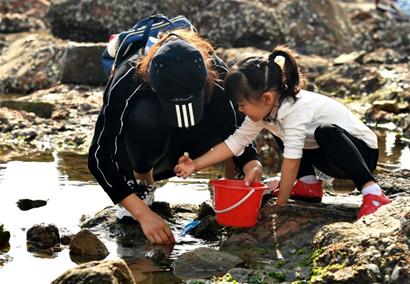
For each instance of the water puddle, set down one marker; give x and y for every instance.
(71, 192)
(63, 180)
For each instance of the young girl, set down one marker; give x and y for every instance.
(312, 130)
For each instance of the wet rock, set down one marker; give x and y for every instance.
(243, 245)
(83, 65)
(27, 204)
(208, 229)
(162, 209)
(204, 262)
(87, 245)
(42, 236)
(368, 250)
(126, 232)
(156, 255)
(66, 239)
(205, 210)
(295, 225)
(4, 237)
(109, 271)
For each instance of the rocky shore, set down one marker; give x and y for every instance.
(51, 92)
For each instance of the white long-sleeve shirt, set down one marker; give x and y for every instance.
(296, 123)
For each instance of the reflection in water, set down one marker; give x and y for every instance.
(394, 154)
(63, 180)
(71, 193)
(73, 167)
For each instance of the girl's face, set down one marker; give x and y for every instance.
(258, 109)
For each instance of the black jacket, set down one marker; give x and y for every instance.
(220, 119)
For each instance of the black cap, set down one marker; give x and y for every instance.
(178, 74)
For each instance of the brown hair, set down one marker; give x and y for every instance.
(255, 75)
(205, 47)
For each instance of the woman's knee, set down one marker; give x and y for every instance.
(146, 115)
(146, 134)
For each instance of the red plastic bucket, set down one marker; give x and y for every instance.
(236, 204)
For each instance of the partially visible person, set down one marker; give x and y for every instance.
(400, 8)
(313, 130)
(156, 107)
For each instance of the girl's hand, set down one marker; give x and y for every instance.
(253, 172)
(156, 229)
(185, 167)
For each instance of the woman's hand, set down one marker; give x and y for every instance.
(185, 167)
(155, 228)
(253, 172)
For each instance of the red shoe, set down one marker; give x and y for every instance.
(367, 205)
(305, 191)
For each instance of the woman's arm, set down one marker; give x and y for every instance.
(102, 159)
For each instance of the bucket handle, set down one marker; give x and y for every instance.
(236, 204)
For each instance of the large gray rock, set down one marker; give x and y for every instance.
(82, 64)
(312, 26)
(95, 20)
(86, 244)
(109, 271)
(373, 249)
(204, 262)
(43, 236)
(31, 63)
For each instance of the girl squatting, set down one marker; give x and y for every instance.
(311, 129)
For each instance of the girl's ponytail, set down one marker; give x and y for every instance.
(293, 80)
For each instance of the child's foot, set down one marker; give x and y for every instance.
(306, 191)
(370, 204)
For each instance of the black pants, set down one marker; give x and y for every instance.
(340, 155)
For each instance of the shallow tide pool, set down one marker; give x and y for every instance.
(63, 180)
